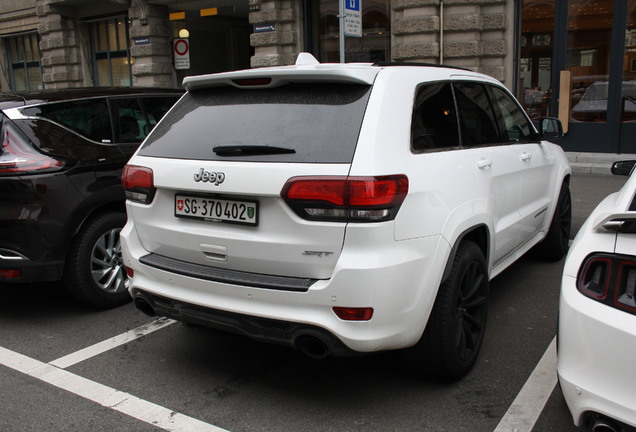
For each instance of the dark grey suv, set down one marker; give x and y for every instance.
(61, 201)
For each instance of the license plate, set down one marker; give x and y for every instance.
(216, 210)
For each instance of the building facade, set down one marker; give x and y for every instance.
(575, 59)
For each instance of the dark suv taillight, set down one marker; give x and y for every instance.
(138, 183)
(609, 279)
(19, 157)
(346, 199)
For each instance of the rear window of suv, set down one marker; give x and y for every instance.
(310, 123)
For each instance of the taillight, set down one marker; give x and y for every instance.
(346, 199)
(138, 183)
(18, 156)
(609, 279)
(10, 273)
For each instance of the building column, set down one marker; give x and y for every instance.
(474, 33)
(59, 48)
(150, 46)
(276, 44)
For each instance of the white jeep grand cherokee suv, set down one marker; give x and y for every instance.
(342, 208)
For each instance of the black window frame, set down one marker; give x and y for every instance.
(23, 61)
(110, 53)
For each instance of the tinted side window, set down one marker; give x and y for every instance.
(156, 107)
(130, 120)
(434, 122)
(479, 126)
(88, 118)
(516, 127)
(135, 117)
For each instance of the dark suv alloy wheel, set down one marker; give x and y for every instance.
(95, 274)
(455, 330)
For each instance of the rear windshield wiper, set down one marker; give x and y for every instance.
(248, 150)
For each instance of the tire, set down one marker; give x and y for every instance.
(94, 273)
(556, 242)
(455, 331)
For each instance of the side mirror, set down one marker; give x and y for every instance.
(551, 128)
(623, 168)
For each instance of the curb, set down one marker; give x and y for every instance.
(595, 163)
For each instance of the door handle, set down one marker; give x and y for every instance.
(484, 163)
(526, 156)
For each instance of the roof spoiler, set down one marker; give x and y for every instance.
(307, 69)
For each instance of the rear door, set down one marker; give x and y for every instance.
(221, 159)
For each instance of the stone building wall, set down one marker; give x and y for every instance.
(281, 46)
(153, 60)
(473, 34)
(60, 48)
(477, 34)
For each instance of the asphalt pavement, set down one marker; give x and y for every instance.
(67, 368)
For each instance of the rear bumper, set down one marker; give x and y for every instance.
(261, 329)
(399, 281)
(597, 348)
(14, 269)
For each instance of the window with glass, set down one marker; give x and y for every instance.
(110, 52)
(136, 117)
(324, 26)
(515, 126)
(88, 118)
(628, 94)
(535, 64)
(434, 122)
(479, 125)
(588, 58)
(23, 58)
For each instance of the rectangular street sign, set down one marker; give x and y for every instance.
(353, 18)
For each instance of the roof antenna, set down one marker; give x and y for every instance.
(306, 59)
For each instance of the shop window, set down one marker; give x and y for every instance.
(110, 52)
(322, 33)
(23, 55)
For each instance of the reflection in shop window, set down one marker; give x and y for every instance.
(373, 46)
(628, 95)
(23, 54)
(537, 26)
(588, 58)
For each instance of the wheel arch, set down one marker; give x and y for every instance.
(478, 234)
(88, 213)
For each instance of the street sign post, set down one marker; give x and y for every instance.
(350, 17)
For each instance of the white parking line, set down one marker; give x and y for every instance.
(529, 403)
(122, 402)
(108, 344)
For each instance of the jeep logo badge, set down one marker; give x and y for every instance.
(212, 177)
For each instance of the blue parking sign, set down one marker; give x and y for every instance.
(353, 5)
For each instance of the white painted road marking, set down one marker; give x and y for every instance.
(122, 402)
(108, 344)
(520, 417)
(529, 403)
